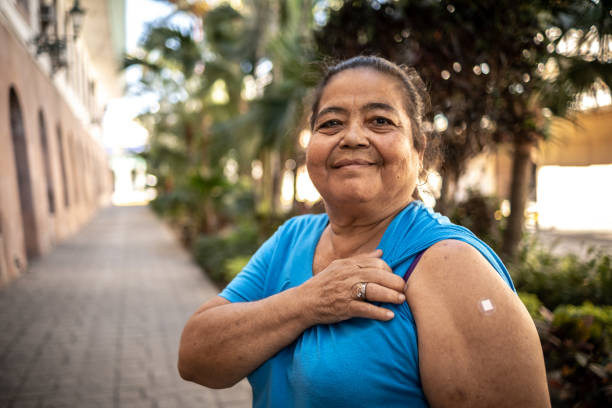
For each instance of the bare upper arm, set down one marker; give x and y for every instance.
(189, 347)
(470, 355)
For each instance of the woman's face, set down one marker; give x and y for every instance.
(361, 150)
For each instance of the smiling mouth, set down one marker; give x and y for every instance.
(352, 163)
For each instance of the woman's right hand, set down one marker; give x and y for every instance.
(332, 293)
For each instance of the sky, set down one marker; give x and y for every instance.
(138, 13)
(120, 129)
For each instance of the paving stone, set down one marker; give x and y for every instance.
(97, 322)
(26, 403)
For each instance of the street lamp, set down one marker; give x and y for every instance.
(76, 16)
(49, 41)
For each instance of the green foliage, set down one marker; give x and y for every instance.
(585, 323)
(565, 279)
(234, 265)
(221, 255)
(533, 305)
(226, 31)
(478, 213)
(577, 345)
(204, 119)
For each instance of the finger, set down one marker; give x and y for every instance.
(378, 293)
(383, 278)
(370, 311)
(370, 263)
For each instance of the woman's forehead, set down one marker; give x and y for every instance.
(358, 87)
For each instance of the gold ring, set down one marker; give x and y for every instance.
(361, 291)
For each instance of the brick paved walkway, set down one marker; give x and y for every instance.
(96, 323)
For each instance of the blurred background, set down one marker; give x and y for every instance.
(198, 110)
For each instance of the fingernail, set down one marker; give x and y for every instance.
(390, 314)
(401, 297)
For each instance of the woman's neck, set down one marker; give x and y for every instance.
(352, 234)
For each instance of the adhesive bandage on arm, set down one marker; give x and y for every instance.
(486, 306)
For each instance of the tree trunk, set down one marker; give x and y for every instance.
(275, 164)
(447, 191)
(270, 182)
(519, 186)
(265, 204)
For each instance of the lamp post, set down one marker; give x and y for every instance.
(49, 41)
(76, 16)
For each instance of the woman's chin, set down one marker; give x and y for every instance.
(352, 197)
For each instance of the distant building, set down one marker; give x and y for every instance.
(571, 187)
(55, 81)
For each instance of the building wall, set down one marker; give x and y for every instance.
(572, 170)
(587, 140)
(87, 175)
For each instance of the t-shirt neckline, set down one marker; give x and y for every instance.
(318, 233)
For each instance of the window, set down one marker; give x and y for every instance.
(47, 163)
(62, 159)
(24, 6)
(24, 180)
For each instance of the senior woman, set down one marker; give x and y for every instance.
(378, 302)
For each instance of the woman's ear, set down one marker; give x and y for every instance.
(422, 152)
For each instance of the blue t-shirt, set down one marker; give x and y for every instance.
(357, 362)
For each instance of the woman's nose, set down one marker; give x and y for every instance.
(354, 137)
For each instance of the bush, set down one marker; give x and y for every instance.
(234, 265)
(478, 214)
(220, 254)
(577, 346)
(533, 305)
(565, 279)
(576, 343)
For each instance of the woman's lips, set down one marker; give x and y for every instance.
(351, 162)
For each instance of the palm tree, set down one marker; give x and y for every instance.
(273, 118)
(194, 134)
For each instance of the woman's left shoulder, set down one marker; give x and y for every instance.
(474, 330)
(454, 249)
(459, 264)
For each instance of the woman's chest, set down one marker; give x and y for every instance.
(331, 365)
(359, 362)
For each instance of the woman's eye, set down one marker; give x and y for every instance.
(380, 121)
(329, 124)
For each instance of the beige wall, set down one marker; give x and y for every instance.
(584, 141)
(87, 172)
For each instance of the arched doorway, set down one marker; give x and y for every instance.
(47, 162)
(72, 157)
(24, 181)
(3, 256)
(62, 160)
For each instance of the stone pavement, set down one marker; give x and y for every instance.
(97, 322)
(576, 242)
